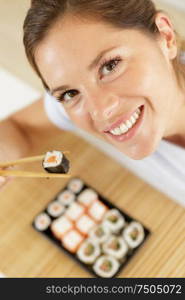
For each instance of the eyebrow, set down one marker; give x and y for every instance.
(92, 65)
(99, 57)
(59, 88)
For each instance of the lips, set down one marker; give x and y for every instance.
(130, 133)
(122, 120)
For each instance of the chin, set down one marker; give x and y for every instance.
(140, 151)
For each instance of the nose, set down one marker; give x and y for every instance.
(102, 105)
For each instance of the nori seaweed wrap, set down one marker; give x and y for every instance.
(56, 162)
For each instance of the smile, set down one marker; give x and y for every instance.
(126, 129)
(127, 125)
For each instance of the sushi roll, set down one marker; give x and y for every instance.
(116, 247)
(55, 162)
(106, 266)
(42, 222)
(75, 211)
(75, 185)
(60, 226)
(88, 251)
(72, 240)
(87, 197)
(114, 220)
(100, 233)
(55, 209)
(84, 224)
(66, 197)
(97, 210)
(134, 234)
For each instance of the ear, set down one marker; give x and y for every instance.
(167, 39)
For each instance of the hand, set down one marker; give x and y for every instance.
(3, 180)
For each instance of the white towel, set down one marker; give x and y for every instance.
(15, 94)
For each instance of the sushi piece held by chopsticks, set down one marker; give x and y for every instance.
(24, 160)
(22, 173)
(55, 162)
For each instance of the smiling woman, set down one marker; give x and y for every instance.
(114, 66)
(114, 69)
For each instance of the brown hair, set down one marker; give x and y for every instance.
(137, 14)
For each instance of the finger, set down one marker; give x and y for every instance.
(2, 180)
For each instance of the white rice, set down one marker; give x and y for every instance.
(89, 259)
(75, 185)
(97, 210)
(84, 224)
(75, 211)
(127, 234)
(55, 209)
(87, 197)
(42, 222)
(57, 154)
(114, 227)
(100, 239)
(66, 197)
(72, 239)
(118, 254)
(60, 226)
(102, 273)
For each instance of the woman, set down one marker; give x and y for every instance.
(113, 65)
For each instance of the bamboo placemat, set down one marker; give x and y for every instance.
(26, 253)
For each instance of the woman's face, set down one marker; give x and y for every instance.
(115, 83)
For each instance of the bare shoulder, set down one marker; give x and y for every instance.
(33, 119)
(31, 113)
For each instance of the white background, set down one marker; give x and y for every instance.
(180, 4)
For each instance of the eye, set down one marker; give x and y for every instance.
(67, 96)
(108, 67)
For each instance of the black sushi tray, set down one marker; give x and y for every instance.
(48, 234)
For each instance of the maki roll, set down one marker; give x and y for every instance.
(114, 220)
(75, 185)
(84, 224)
(75, 211)
(55, 162)
(97, 210)
(66, 198)
(55, 209)
(116, 247)
(106, 266)
(134, 234)
(88, 252)
(100, 233)
(87, 197)
(60, 226)
(72, 240)
(42, 222)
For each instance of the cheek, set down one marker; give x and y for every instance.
(80, 116)
(140, 79)
(151, 81)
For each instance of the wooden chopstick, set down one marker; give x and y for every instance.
(20, 173)
(24, 160)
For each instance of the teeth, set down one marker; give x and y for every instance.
(117, 131)
(132, 120)
(136, 115)
(124, 127)
(129, 124)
